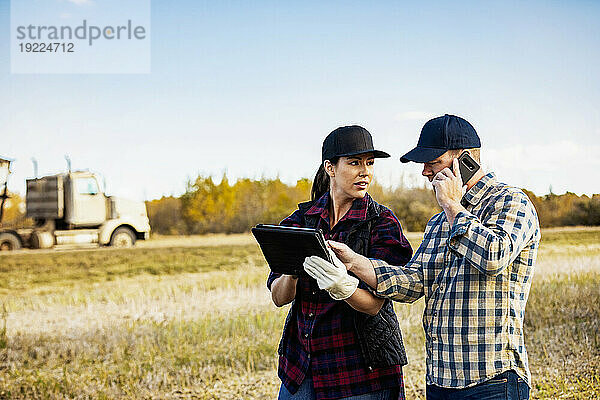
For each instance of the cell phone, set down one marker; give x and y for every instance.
(467, 166)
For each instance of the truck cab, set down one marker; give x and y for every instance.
(70, 209)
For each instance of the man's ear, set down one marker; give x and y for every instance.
(458, 153)
(329, 169)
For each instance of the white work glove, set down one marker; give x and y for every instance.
(332, 277)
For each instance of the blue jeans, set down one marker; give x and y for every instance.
(307, 392)
(506, 386)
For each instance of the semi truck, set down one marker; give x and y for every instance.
(70, 210)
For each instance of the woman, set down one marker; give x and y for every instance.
(350, 349)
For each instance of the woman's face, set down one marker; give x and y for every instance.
(351, 176)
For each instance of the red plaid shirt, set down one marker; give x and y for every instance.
(323, 341)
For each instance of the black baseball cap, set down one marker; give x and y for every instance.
(441, 134)
(349, 141)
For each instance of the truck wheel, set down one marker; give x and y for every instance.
(9, 241)
(122, 237)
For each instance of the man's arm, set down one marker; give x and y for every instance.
(334, 278)
(356, 263)
(493, 244)
(400, 283)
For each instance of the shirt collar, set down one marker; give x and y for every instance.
(476, 193)
(358, 210)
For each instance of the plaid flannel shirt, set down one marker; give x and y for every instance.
(475, 276)
(322, 340)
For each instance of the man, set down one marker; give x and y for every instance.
(474, 268)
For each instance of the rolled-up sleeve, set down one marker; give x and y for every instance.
(399, 277)
(492, 244)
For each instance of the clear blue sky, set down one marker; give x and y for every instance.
(253, 87)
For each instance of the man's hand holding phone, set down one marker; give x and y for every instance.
(449, 190)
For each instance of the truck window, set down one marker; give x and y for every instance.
(86, 186)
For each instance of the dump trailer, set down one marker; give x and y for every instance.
(70, 210)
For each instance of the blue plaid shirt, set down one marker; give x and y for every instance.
(475, 276)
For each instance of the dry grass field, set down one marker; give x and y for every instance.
(190, 318)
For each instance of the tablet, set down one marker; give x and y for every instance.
(285, 247)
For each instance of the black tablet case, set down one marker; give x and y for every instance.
(285, 248)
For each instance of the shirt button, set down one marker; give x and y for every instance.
(433, 339)
(314, 293)
(308, 355)
(306, 335)
(441, 288)
(311, 315)
(370, 368)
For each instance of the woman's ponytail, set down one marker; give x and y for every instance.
(320, 184)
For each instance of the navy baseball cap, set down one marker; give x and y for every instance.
(349, 141)
(441, 134)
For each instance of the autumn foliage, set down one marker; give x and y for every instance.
(14, 212)
(224, 207)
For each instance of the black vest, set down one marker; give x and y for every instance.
(379, 335)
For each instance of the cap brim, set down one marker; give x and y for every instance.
(422, 154)
(376, 153)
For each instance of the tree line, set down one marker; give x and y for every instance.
(225, 207)
(208, 207)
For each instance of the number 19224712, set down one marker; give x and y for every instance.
(47, 47)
